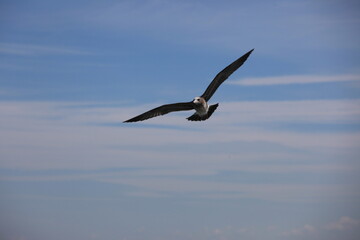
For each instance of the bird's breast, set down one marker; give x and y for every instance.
(201, 109)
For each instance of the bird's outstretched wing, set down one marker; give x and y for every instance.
(164, 109)
(223, 75)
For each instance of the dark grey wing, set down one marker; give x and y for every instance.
(164, 109)
(223, 75)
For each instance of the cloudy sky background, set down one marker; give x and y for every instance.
(279, 159)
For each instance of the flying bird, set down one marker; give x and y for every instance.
(200, 104)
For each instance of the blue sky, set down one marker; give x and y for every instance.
(279, 159)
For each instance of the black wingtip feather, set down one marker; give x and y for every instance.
(246, 55)
(131, 120)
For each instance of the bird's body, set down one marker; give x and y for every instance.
(202, 108)
(199, 104)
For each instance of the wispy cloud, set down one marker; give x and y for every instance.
(208, 23)
(305, 230)
(33, 49)
(344, 223)
(42, 136)
(343, 228)
(295, 79)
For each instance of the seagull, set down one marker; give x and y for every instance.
(200, 104)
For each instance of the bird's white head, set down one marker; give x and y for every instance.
(198, 100)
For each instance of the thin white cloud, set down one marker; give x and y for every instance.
(344, 223)
(248, 118)
(295, 79)
(306, 23)
(41, 135)
(283, 192)
(33, 49)
(305, 230)
(344, 228)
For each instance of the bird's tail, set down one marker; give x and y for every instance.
(196, 117)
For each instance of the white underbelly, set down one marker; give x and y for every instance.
(201, 111)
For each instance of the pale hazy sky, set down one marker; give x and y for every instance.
(279, 159)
